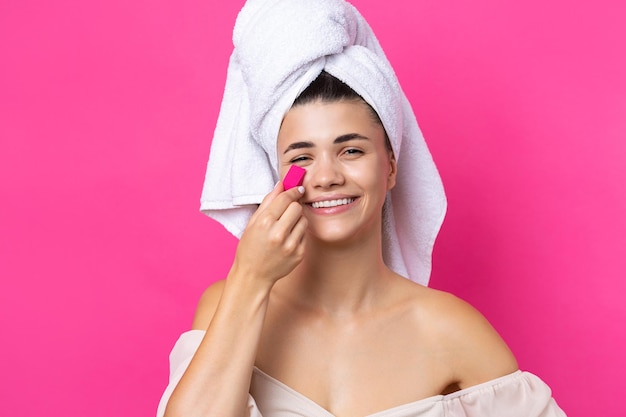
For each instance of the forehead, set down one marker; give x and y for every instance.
(323, 120)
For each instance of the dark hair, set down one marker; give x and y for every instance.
(329, 89)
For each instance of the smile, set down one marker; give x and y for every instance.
(332, 203)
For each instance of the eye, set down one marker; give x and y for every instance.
(353, 152)
(301, 158)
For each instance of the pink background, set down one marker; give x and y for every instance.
(106, 114)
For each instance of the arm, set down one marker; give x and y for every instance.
(476, 351)
(217, 380)
(482, 363)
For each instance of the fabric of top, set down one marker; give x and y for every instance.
(280, 47)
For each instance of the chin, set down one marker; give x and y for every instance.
(332, 236)
(338, 235)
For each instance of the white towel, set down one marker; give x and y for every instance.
(280, 47)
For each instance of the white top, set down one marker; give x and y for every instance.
(520, 394)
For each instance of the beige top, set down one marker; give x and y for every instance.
(520, 394)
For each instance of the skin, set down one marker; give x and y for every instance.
(310, 301)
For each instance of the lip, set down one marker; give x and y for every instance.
(331, 210)
(329, 198)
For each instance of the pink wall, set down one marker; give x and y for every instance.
(106, 109)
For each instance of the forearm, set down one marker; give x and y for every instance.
(217, 381)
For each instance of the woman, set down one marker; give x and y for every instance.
(311, 320)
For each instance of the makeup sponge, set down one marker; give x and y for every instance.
(294, 177)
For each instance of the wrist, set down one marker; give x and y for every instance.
(246, 285)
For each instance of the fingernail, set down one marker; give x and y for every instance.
(301, 189)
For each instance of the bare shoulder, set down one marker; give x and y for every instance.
(476, 351)
(207, 305)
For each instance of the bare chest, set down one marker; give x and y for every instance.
(352, 369)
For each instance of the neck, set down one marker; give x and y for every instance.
(340, 279)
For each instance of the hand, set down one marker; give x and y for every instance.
(272, 244)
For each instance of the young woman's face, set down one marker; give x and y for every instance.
(349, 169)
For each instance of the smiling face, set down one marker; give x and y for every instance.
(349, 168)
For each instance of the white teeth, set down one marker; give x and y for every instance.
(332, 203)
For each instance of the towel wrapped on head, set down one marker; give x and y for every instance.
(280, 47)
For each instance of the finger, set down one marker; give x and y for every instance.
(269, 197)
(279, 230)
(299, 229)
(293, 223)
(278, 188)
(279, 204)
(290, 216)
(296, 239)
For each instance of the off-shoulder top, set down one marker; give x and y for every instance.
(520, 394)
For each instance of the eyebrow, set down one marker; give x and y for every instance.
(339, 139)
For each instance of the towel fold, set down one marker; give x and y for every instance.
(280, 47)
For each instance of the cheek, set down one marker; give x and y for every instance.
(373, 176)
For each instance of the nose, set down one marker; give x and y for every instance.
(324, 173)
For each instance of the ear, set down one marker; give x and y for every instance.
(393, 170)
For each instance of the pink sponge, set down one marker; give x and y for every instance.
(294, 177)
